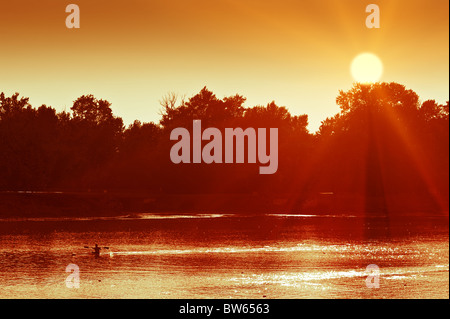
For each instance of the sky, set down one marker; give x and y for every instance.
(294, 52)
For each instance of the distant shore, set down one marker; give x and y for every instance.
(119, 203)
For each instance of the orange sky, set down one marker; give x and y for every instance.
(297, 53)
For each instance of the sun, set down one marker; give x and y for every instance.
(366, 68)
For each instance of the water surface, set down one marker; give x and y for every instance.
(225, 256)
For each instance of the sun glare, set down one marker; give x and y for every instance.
(366, 68)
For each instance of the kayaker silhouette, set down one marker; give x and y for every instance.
(96, 249)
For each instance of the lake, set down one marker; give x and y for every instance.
(216, 255)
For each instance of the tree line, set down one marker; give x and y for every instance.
(384, 142)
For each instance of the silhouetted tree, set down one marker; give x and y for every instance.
(28, 144)
(379, 142)
(203, 106)
(384, 151)
(94, 134)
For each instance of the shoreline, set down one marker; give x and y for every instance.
(119, 203)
